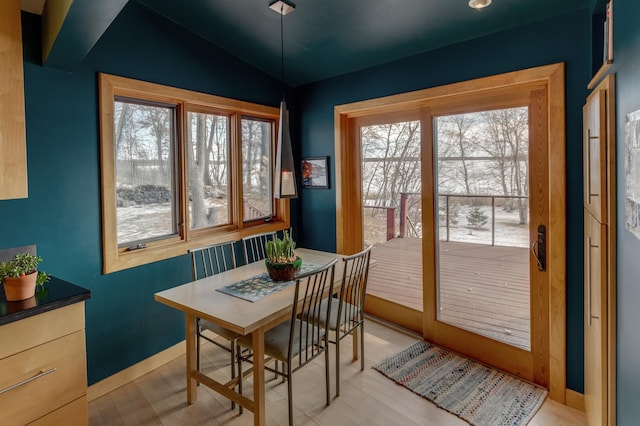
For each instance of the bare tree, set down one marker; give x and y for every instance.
(456, 141)
(507, 142)
(197, 153)
(157, 120)
(391, 161)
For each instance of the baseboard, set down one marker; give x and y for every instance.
(393, 326)
(129, 374)
(574, 399)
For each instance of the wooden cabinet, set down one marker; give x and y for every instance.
(599, 254)
(43, 369)
(595, 357)
(13, 150)
(594, 158)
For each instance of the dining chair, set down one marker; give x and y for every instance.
(207, 261)
(348, 307)
(298, 340)
(254, 246)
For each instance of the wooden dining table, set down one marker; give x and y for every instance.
(200, 299)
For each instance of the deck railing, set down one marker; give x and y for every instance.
(493, 209)
(391, 219)
(407, 225)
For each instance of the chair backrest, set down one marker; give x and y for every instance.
(307, 339)
(255, 246)
(213, 259)
(354, 289)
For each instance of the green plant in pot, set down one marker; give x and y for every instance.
(20, 276)
(282, 262)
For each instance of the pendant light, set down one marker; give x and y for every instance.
(284, 176)
(479, 4)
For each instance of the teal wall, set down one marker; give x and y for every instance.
(63, 215)
(626, 65)
(564, 39)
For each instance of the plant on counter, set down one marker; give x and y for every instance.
(282, 262)
(20, 276)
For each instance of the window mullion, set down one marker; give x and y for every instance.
(183, 184)
(235, 149)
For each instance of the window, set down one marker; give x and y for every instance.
(208, 166)
(256, 177)
(146, 207)
(182, 169)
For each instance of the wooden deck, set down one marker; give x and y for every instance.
(483, 289)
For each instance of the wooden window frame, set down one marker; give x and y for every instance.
(115, 258)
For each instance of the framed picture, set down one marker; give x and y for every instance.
(315, 172)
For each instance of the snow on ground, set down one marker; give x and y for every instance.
(139, 222)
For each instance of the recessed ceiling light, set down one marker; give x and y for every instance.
(479, 4)
(283, 6)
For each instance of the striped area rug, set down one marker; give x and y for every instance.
(470, 390)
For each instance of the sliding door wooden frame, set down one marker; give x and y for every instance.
(349, 233)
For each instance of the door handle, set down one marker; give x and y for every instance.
(539, 248)
(589, 317)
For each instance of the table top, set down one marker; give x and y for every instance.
(201, 299)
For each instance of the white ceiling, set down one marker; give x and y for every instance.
(33, 6)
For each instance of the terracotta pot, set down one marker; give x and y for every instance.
(283, 271)
(20, 288)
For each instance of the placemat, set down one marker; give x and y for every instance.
(261, 286)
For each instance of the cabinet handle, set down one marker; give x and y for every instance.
(588, 138)
(589, 280)
(30, 379)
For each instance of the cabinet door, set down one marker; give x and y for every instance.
(13, 151)
(594, 155)
(595, 311)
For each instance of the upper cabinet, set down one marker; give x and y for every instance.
(602, 42)
(13, 149)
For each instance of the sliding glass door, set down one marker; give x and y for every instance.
(392, 215)
(461, 186)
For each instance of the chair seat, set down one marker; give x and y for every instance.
(276, 340)
(333, 320)
(220, 331)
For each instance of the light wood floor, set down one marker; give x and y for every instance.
(367, 397)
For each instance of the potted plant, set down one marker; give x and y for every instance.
(282, 262)
(20, 276)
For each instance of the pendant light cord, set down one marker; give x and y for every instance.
(282, 48)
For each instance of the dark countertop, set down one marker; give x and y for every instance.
(56, 294)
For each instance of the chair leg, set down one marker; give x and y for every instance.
(239, 359)
(233, 369)
(337, 363)
(354, 339)
(362, 346)
(327, 384)
(290, 392)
